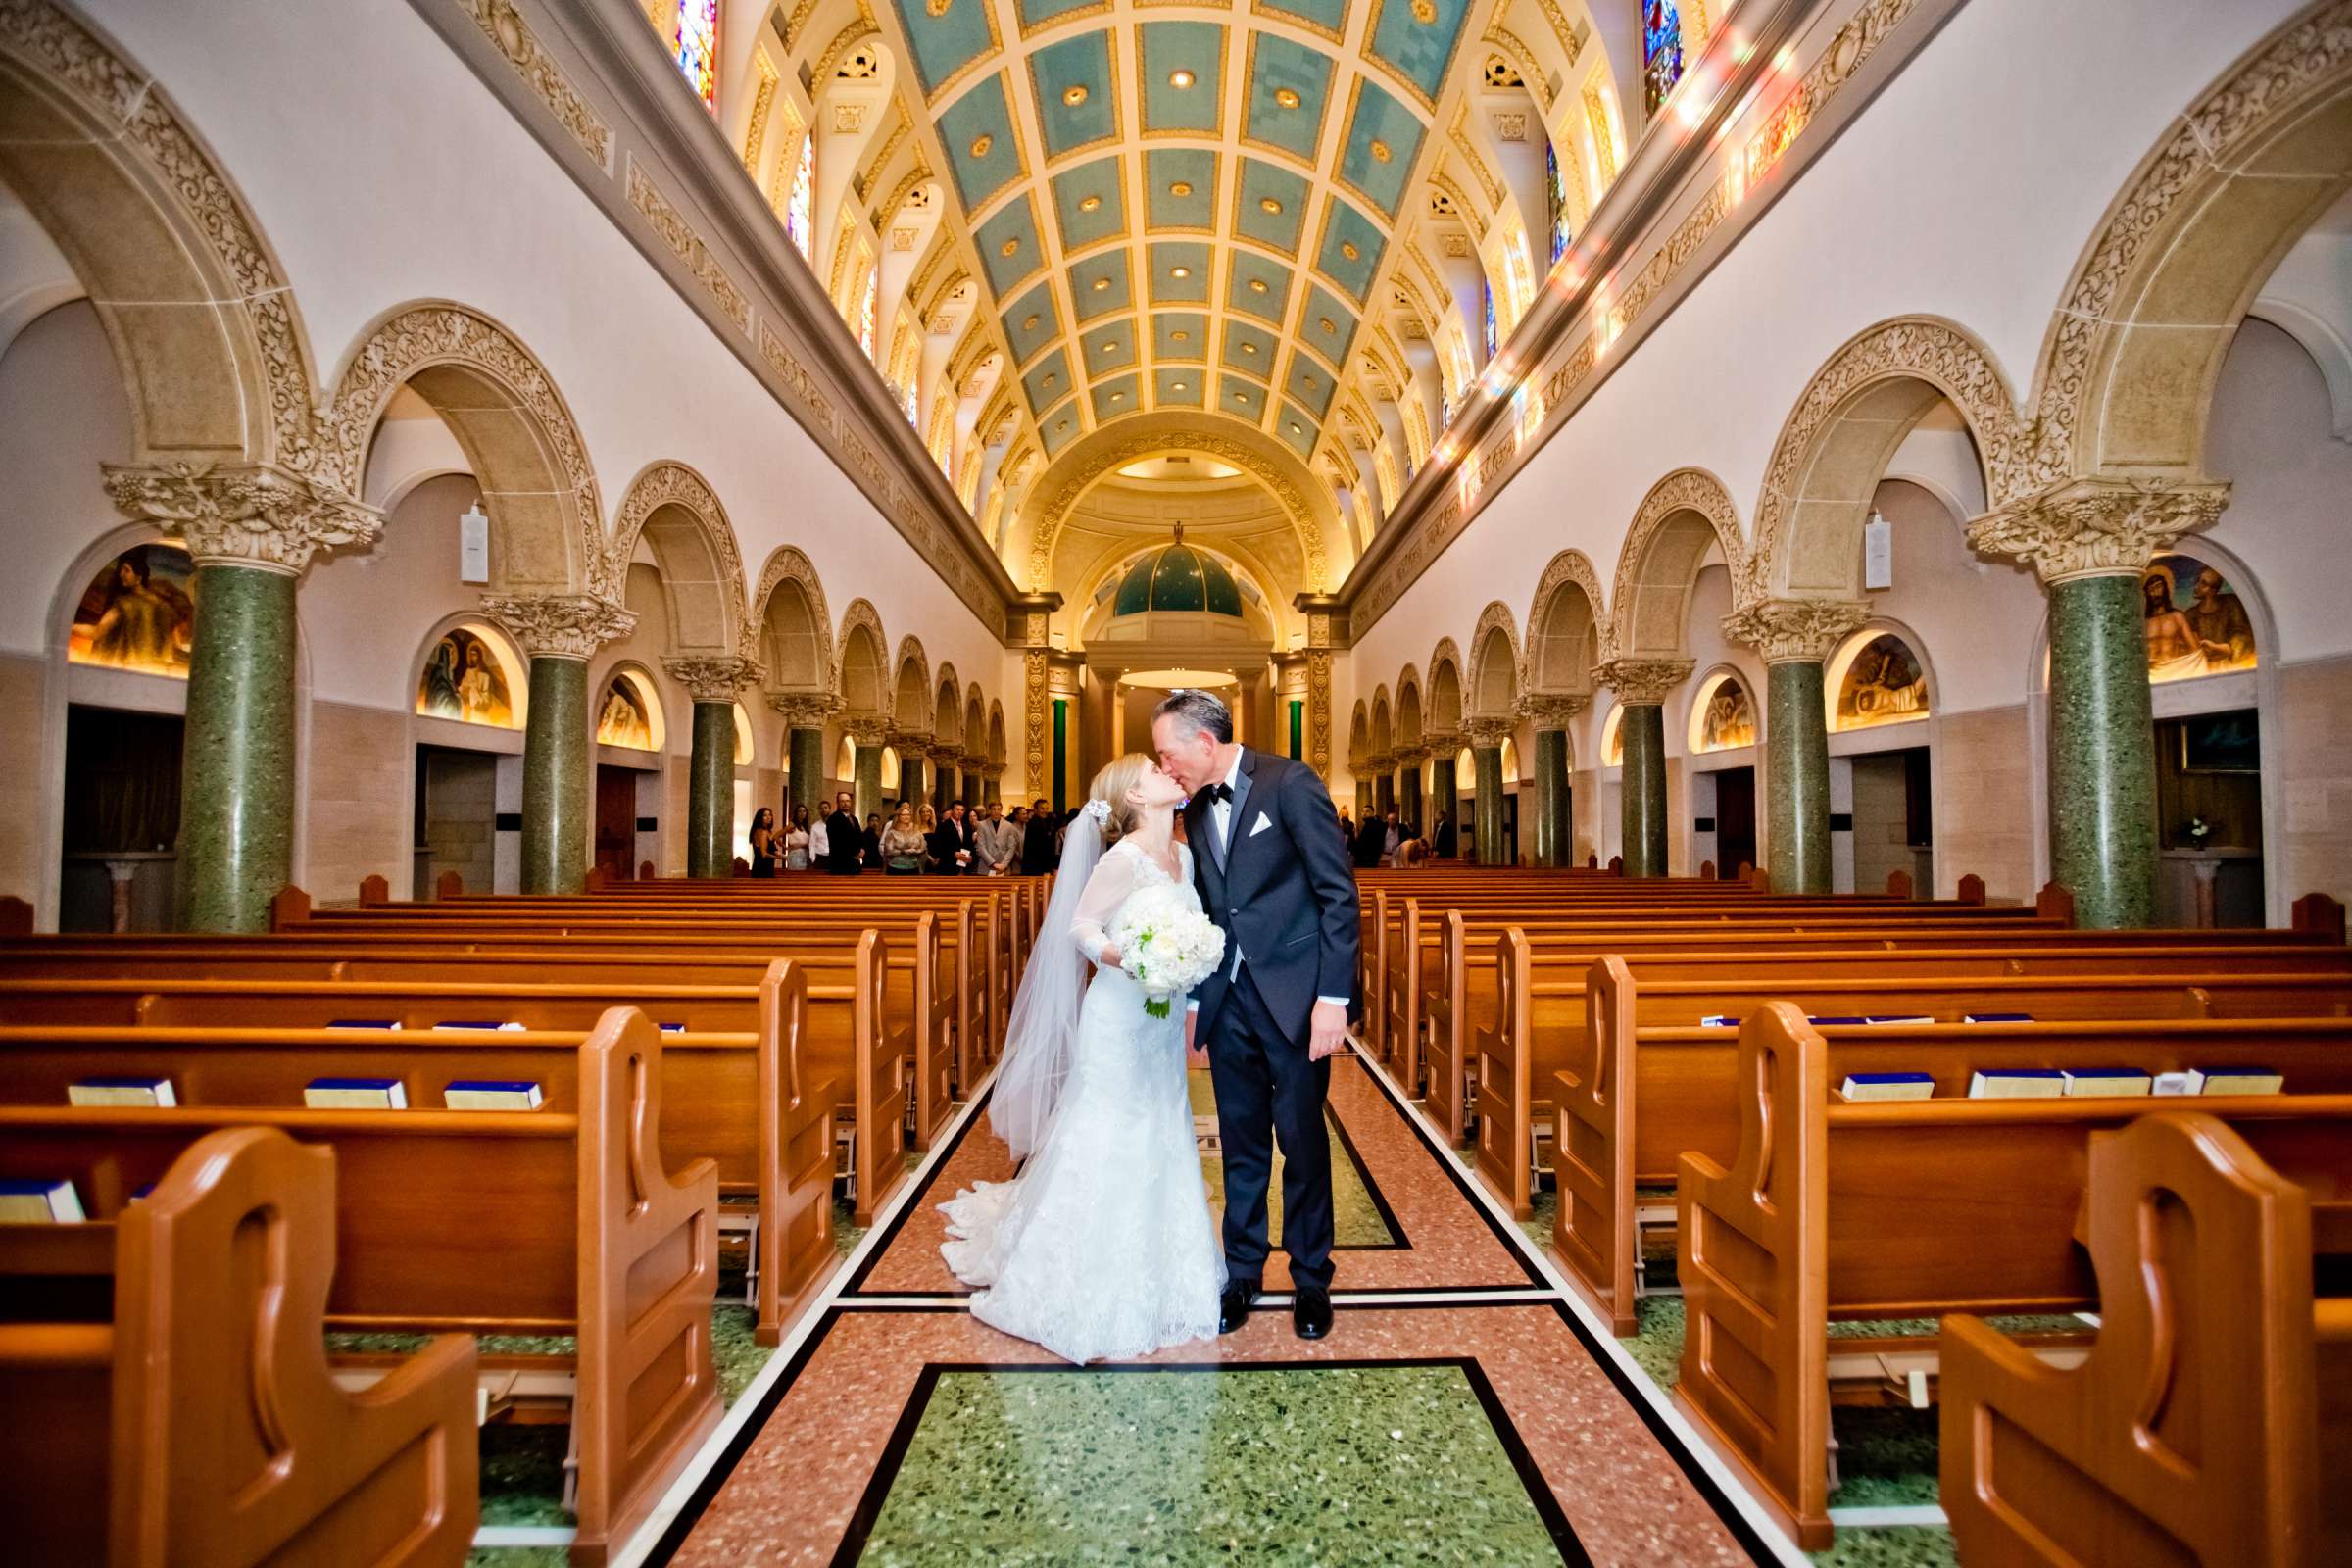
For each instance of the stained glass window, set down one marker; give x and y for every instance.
(1555, 196)
(906, 401)
(698, 48)
(797, 208)
(1661, 51)
(870, 300)
(1486, 291)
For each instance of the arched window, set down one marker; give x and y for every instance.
(1486, 294)
(1661, 51)
(1555, 199)
(798, 207)
(698, 48)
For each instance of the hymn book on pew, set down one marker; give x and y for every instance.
(2017, 1083)
(491, 1094)
(39, 1203)
(2094, 1082)
(2229, 1081)
(356, 1093)
(1888, 1086)
(133, 1091)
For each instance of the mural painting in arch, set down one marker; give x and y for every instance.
(467, 677)
(1878, 681)
(138, 613)
(1724, 719)
(2195, 622)
(625, 715)
(1612, 739)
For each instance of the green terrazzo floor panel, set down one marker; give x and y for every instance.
(1171, 1467)
(1356, 1220)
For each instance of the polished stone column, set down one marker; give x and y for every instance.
(1411, 806)
(1551, 713)
(805, 715)
(992, 784)
(559, 633)
(946, 787)
(1363, 795)
(970, 774)
(251, 532)
(713, 682)
(1794, 636)
(1443, 788)
(868, 735)
(1641, 686)
(911, 773)
(2090, 540)
(1486, 764)
(1383, 783)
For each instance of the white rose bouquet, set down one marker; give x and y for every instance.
(1165, 945)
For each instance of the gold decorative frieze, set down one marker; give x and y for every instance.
(688, 247)
(504, 27)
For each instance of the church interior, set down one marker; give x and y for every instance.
(1775, 523)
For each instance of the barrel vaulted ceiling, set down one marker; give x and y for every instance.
(1182, 207)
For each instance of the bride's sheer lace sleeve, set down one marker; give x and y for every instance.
(1113, 878)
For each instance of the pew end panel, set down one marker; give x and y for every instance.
(1449, 1033)
(2319, 915)
(1592, 1153)
(797, 1102)
(1505, 1059)
(881, 1055)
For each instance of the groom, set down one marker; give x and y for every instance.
(1274, 878)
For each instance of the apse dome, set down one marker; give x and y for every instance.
(1177, 576)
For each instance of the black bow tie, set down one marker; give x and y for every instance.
(1219, 792)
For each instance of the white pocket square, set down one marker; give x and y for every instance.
(1262, 823)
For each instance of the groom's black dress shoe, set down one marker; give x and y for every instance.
(1233, 1307)
(1311, 1312)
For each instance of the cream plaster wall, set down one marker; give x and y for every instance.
(360, 767)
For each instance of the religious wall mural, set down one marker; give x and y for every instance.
(1883, 684)
(1726, 719)
(139, 612)
(2195, 622)
(626, 718)
(465, 679)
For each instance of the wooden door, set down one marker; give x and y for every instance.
(1735, 819)
(617, 822)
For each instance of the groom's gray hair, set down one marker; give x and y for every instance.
(1201, 713)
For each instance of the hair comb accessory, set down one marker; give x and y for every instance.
(1099, 810)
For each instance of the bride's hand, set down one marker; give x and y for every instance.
(1108, 959)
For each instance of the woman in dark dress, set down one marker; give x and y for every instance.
(764, 841)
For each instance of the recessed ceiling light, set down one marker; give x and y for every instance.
(1009, 246)
(1102, 283)
(1180, 335)
(981, 145)
(1090, 204)
(1180, 78)
(1115, 396)
(1269, 203)
(1249, 348)
(1180, 271)
(1074, 94)
(1181, 187)
(1295, 427)
(1287, 97)
(1110, 345)
(1175, 386)
(1257, 286)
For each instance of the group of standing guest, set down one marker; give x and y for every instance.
(1387, 840)
(913, 841)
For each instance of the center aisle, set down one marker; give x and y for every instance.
(1460, 1410)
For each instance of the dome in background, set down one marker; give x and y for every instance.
(1177, 576)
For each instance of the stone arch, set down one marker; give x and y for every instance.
(911, 688)
(947, 712)
(975, 719)
(1408, 707)
(1683, 514)
(2125, 385)
(788, 614)
(999, 748)
(1836, 443)
(1445, 716)
(1384, 732)
(674, 510)
(1565, 628)
(193, 302)
(865, 672)
(1494, 663)
(517, 432)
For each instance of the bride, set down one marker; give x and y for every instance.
(1101, 1248)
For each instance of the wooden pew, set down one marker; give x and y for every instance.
(2204, 1257)
(1892, 1209)
(129, 1369)
(536, 1223)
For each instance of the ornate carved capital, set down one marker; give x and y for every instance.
(1445, 743)
(1787, 631)
(1412, 755)
(908, 743)
(1381, 762)
(1489, 734)
(1639, 682)
(865, 729)
(2098, 527)
(714, 677)
(1552, 709)
(243, 514)
(804, 709)
(559, 626)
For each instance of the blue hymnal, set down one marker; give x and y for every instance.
(474, 1023)
(1856, 1020)
(1997, 1017)
(363, 1023)
(2017, 1083)
(673, 1028)
(39, 1201)
(1888, 1086)
(356, 1093)
(491, 1094)
(1898, 1018)
(1719, 1020)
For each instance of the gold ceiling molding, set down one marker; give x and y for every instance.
(504, 27)
(887, 210)
(1537, 79)
(1056, 513)
(689, 247)
(764, 103)
(856, 33)
(1458, 132)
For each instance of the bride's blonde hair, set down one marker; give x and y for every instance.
(1110, 787)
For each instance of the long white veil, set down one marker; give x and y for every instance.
(1043, 1033)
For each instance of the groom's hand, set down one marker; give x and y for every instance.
(1328, 1031)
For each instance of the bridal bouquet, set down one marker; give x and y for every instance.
(1165, 945)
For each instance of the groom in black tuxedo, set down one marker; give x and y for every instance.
(1273, 876)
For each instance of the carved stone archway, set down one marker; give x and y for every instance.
(1565, 627)
(1495, 665)
(1649, 610)
(809, 664)
(674, 510)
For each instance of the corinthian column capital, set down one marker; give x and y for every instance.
(243, 514)
(713, 678)
(1486, 734)
(1792, 631)
(559, 626)
(2098, 527)
(804, 709)
(1639, 682)
(1552, 709)
(865, 729)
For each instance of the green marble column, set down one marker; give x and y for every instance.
(1410, 801)
(554, 777)
(236, 815)
(1443, 789)
(710, 790)
(1797, 778)
(992, 787)
(1486, 763)
(911, 781)
(806, 749)
(1383, 792)
(946, 787)
(1363, 798)
(1642, 788)
(1552, 830)
(971, 797)
(868, 783)
(2102, 753)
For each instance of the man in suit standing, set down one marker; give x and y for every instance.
(1038, 855)
(1371, 840)
(950, 844)
(1441, 837)
(842, 839)
(1272, 876)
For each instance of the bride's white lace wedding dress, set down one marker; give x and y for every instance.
(1103, 1249)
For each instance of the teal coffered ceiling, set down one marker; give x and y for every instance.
(1179, 204)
